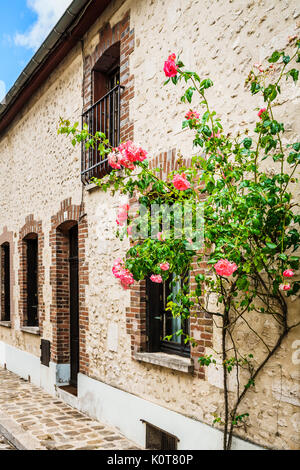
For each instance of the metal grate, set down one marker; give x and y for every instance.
(103, 116)
(158, 439)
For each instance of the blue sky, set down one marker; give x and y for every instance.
(24, 24)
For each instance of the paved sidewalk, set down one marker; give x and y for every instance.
(51, 423)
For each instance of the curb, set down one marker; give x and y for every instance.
(15, 434)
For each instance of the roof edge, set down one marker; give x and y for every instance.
(76, 20)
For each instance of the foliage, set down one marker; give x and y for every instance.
(250, 219)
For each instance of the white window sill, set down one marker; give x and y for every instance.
(7, 324)
(171, 361)
(33, 330)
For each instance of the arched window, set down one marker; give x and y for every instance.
(104, 114)
(5, 282)
(31, 280)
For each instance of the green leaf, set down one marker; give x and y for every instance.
(294, 73)
(247, 142)
(274, 57)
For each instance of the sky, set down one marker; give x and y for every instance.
(24, 24)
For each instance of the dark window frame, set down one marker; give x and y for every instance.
(32, 280)
(5, 282)
(156, 319)
(105, 113)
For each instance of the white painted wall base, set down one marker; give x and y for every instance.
(29, 367)
(125, 411)
(115, 407)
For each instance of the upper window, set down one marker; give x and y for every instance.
(161, 323)
(5, 282)
(104, 114)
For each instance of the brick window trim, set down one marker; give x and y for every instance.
(31, 226)
(8, 237)
(59, 317)
(108, 36)
(201, 323)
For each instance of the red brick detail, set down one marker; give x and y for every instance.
(120, 33)
(201, 324)
(31, 227)
(67, 217)
(8, 237)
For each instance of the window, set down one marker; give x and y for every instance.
(157, 439)
(161, 323)
(104, 114)
(5, 282)
(32, 280)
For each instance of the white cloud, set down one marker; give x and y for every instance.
(2, 90)
(48, 13)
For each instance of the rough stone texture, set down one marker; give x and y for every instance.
(221, 40)
(49, 423)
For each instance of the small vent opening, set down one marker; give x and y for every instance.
(158, 439)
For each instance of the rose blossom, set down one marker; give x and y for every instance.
(192, 115)
(262, 110)
(114, 160)
(125, 155)
(122, 214)
(170, 68)
(288, 273)
(225, 268)
(284, 286)
(129, 230)
(164, 266)
(180, 182)
(120, 272)
(156, 278)
(132, 152)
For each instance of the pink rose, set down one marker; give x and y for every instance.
(192, 115)
(180, 182)
(120, 272)
(161, 237)
(288, 273)
(284, 286)
(164, 266)
(262, 110)
(225, 268)
(156, 278)
(129, 230)
(114, 160)
(172, 57)
(122, 214)
(170, 68)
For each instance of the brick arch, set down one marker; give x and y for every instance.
(108, 36)
(68, 215)
(8, 237)
(31, 227)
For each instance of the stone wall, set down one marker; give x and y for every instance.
(221, 39)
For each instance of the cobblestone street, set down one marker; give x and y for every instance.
(49, 422)
(4, 444)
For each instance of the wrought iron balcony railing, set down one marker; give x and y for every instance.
(103, 116)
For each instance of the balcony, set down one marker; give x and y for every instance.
(103, 116)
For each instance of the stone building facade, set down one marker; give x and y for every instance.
(44, 205)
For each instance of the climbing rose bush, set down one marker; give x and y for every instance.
(251, 223)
